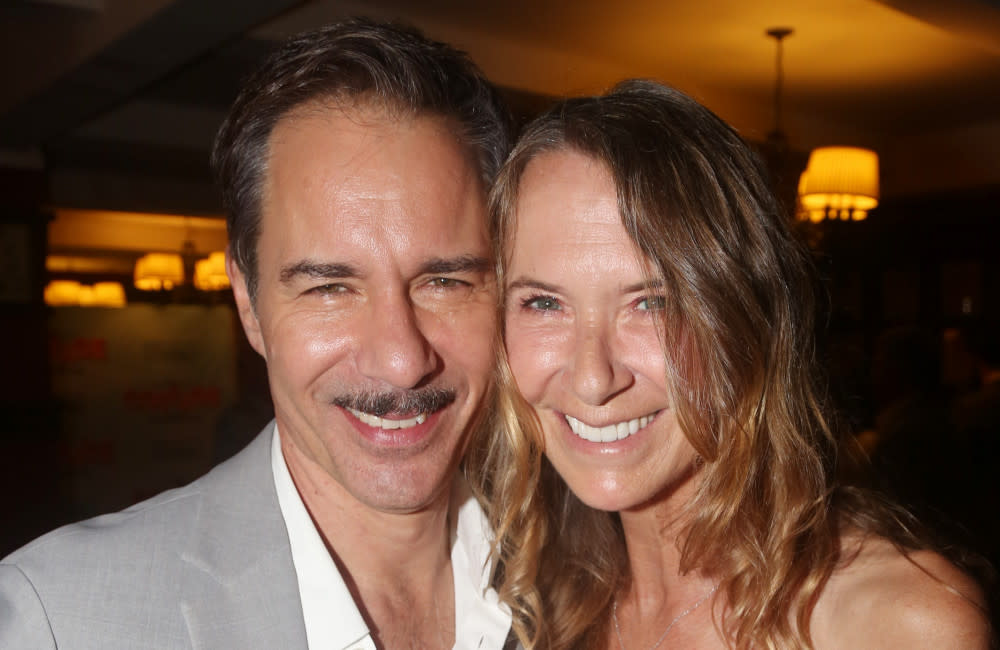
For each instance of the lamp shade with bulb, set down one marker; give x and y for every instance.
(839, 183)
(210, 272)
(109, 294)
(62, 293)
(159, 271)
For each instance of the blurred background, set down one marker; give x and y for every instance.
(126, 373)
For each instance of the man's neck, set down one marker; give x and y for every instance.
(397, 566)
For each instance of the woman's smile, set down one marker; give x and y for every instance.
(609, 432)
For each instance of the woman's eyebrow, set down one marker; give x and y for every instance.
(645, 285)
(530, 283)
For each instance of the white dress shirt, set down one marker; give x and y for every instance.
(332, 619)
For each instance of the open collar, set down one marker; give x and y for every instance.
(331, 616)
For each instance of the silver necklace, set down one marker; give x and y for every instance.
(618, 632)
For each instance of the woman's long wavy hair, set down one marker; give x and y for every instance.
(738, 337)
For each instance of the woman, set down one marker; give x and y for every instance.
(658, 324)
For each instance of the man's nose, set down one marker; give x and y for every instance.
(394, 348)
(596, 374)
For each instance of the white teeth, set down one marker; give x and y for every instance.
(386, 423)
(610, 433)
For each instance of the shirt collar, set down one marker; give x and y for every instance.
(332, 619)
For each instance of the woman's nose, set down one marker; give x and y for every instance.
(597, 375)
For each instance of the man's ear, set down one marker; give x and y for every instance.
(248, 316)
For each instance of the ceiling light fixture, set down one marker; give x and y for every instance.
(159, 271)
(210, 272)
(62, 293)
(838, 182)
(109, 294)
(777, 138)
(70, 293)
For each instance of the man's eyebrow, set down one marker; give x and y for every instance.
(531, 283)
(317, 270)
(461, 264)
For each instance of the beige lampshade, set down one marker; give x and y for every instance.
(839, 183)
(87, 297)
(61, 293)
(157, 271)
(109, 294)
(210, 273)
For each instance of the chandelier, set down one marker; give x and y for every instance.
(838, 182)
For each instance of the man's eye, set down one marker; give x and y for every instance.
(328, 289)
(652, 303)
(541, 303)
(447, 283)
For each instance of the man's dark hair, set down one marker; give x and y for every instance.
(358, 60)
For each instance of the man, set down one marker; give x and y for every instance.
(354, 166)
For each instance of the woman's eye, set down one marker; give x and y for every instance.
(541, 303)
(652, 303)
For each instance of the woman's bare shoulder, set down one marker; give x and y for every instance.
(883, 598)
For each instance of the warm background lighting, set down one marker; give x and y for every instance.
(61, 293)
(70, 293)
(210, 273)
(839, 183)
(109, 294)
(159, 271)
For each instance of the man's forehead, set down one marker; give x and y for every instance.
(348, 189)
(361, 143)
(369, 113)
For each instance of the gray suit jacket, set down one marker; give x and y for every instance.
(207, 565)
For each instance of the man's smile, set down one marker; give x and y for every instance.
(385, 422)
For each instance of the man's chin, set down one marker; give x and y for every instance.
(406, 490)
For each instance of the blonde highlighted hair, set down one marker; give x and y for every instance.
(738, 339)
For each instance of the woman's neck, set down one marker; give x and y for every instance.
(654, 535)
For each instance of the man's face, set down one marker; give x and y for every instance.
(375, 308)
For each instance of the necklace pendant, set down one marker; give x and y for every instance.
(670, 625)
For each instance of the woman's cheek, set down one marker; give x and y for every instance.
(536, 358)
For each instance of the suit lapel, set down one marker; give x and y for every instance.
(239, 577)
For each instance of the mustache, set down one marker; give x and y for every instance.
(379, 403)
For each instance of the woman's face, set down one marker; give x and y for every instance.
(582, 338)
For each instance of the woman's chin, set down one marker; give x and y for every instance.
(618, 491)
(606, 494)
